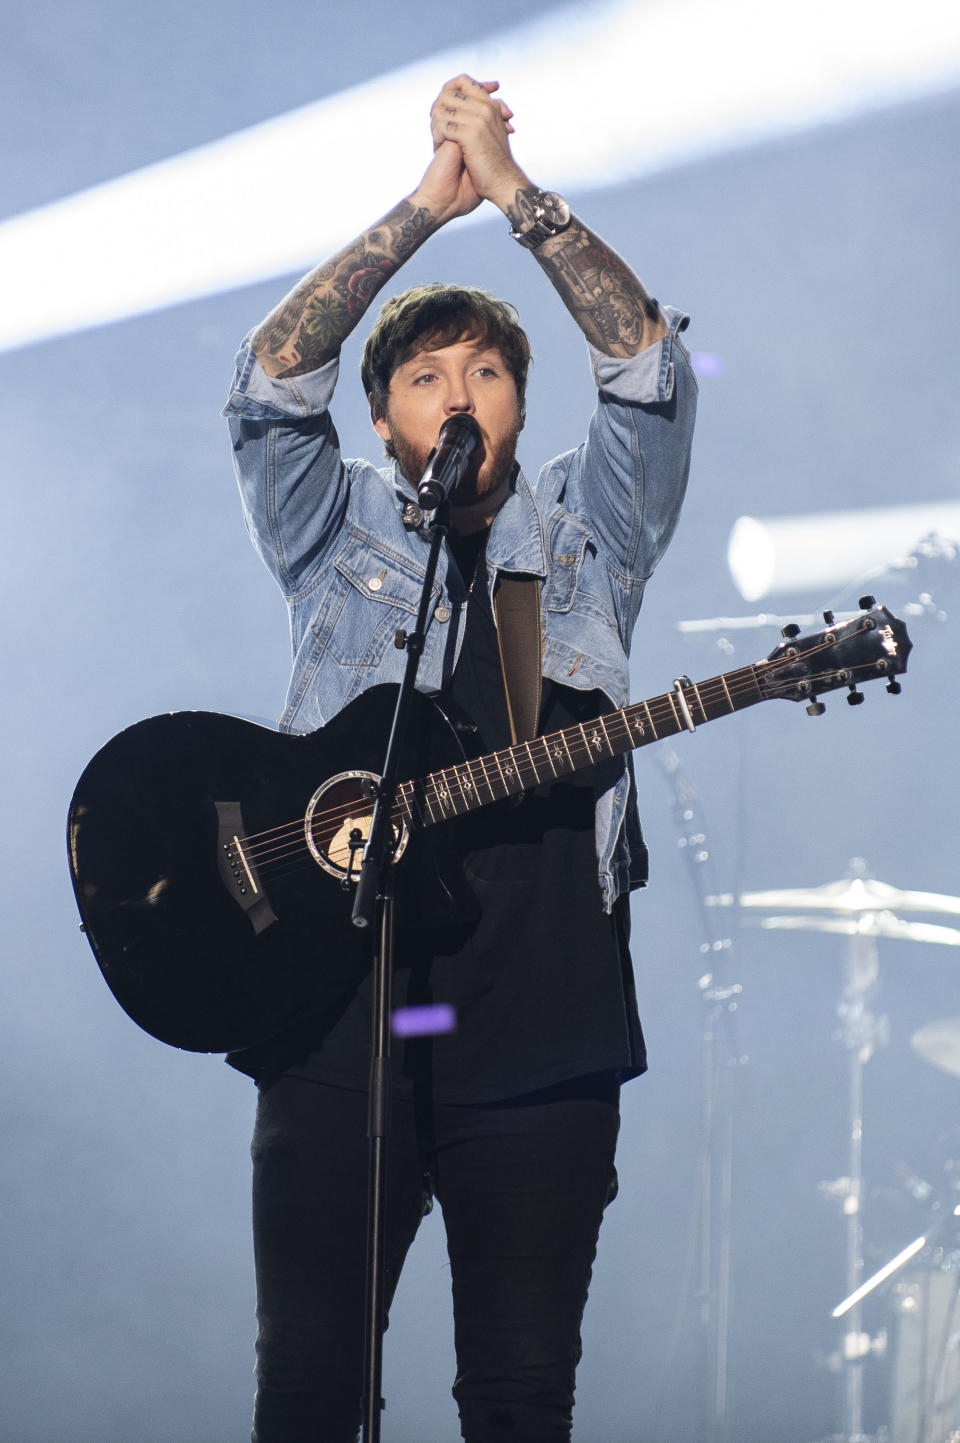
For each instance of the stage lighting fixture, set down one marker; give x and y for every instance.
(833, 549)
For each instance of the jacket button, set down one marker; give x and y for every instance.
(374, 584)
(442, 612)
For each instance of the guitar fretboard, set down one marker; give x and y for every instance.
(463, 788)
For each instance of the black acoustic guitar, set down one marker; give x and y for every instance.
(213, 859)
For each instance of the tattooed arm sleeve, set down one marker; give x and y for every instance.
(598, 288)
(309, 325)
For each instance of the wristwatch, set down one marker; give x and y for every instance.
(551, 216)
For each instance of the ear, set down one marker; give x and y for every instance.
(379, 420)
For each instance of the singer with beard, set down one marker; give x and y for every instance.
(509, 1121)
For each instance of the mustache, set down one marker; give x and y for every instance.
(497, 461)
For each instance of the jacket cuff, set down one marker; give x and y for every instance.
(306, 395)
(646, 378)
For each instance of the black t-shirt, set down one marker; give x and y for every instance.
(540, 982)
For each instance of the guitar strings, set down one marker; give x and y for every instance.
(483, 771)
(279, 844)
(282, 844)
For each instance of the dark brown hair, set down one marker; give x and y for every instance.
(425, 318)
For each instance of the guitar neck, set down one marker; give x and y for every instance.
(469, 785)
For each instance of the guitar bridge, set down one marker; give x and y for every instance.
(237, 872)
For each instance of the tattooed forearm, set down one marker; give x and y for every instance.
(598, 288)
(310, 325)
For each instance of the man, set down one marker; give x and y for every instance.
(511, 1120)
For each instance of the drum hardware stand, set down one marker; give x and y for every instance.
(860, 1032)
(374, 902)
(861, 909)
(900, 1260)
(916, 1409)
(719, 1056)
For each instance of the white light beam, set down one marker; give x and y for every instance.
(603, 92)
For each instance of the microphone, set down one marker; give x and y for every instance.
(459, 437)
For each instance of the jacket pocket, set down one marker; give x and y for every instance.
(364, 596)
(567, 545)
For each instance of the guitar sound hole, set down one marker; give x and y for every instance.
(337, 824)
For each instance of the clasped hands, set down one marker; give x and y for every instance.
(472, 160)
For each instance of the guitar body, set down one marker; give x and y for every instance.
(209, 949)
(213, 861)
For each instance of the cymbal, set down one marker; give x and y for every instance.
(853, 894)
(939, 1044)
(868, 924)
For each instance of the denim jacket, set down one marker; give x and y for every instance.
(342, 542)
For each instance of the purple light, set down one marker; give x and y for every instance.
(423, 1021)
(706, 363)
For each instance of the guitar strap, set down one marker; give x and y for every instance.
(516, 605)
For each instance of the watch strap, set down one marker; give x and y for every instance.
(536, 231)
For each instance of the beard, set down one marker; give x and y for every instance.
(486, 471)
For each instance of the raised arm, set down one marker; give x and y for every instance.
(598, 288)
(310, 324)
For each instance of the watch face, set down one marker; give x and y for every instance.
(545, 214)
(554, 210)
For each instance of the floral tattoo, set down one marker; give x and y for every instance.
(308, 328)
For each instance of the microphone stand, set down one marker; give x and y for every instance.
(719, 1056)
(373, 907)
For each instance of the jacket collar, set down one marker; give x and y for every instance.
(516, 536)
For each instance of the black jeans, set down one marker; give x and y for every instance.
(522, 1186)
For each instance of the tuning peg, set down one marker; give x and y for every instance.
(894, 687)
(828, 617)
(790, 630)
(855, 697)
(866, 602)
(815, 708)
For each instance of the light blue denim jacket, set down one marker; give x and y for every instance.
(334, 535)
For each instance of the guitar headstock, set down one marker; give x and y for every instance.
(872, 645)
